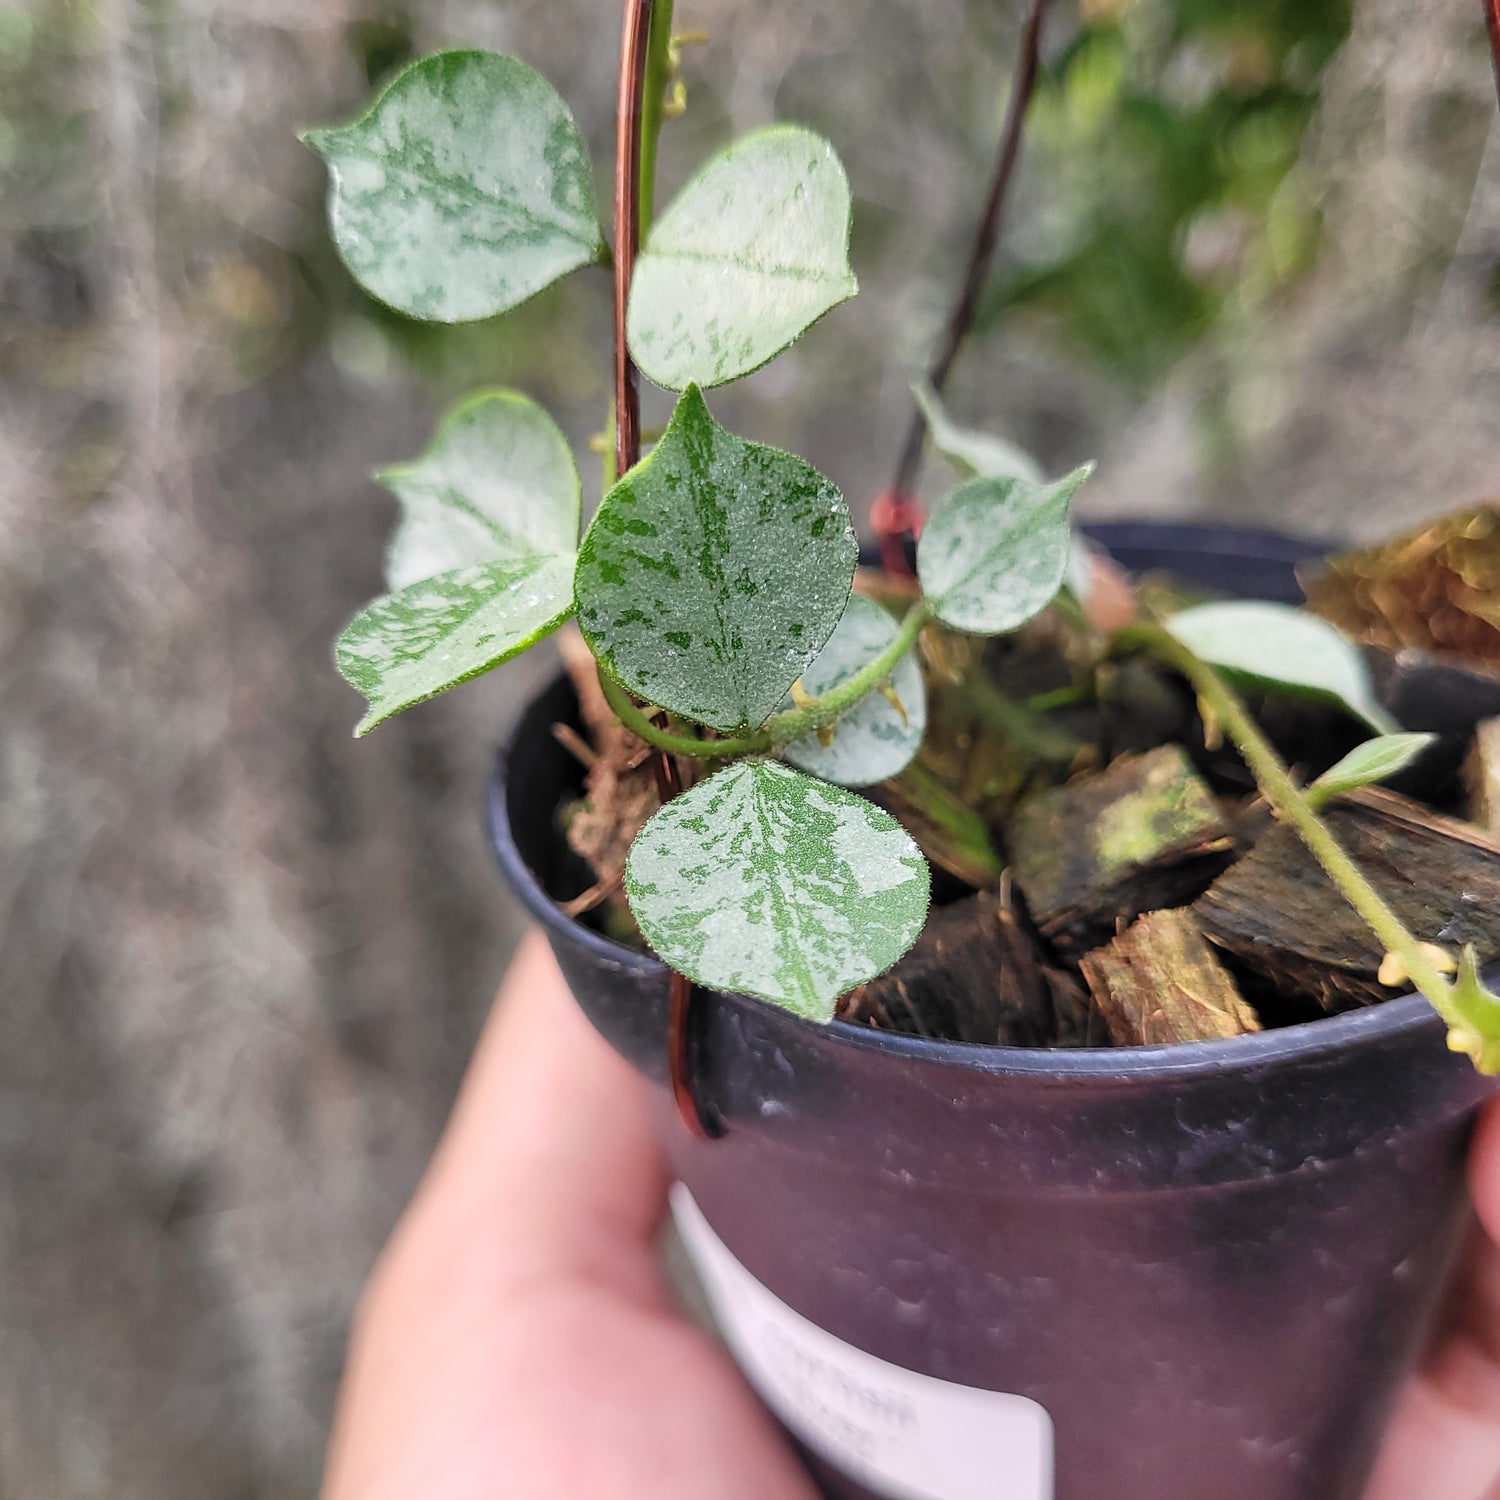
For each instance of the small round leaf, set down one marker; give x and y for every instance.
(763, 881)
(465, 189)
(714, 572)
(994, 552)
(498, 482)
(751, 253)
(875, 739)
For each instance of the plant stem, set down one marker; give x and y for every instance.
(639, 723)
(654, 98)
(819, 712)
(610, 456)
(780, 729)
(986, 236)
(950, 814)
(637, 114)
(1288, 801)
(1492, 22)
(628, 118)
(1018, 722)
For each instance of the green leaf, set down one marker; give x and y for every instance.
(994, 552)
(497, 483)
(751, 253)
(977, 454)
(465, 190)
(1279, 648)
(407, 646)
(1477, 1030)
(1374, 761)
(763, 881)
(714, 572)
(875, 739)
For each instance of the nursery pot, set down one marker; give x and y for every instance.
(1197, 1272)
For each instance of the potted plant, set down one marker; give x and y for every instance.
(1196, 1264)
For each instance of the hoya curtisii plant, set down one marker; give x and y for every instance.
(714, 582)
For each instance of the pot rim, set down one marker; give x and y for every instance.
(1307, 1040)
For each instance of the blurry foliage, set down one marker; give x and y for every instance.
(1169, 134)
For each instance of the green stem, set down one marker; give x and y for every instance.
(1018, 722)
(609, 475)
(1288, 801)
(640, 725)
(653, 101)
(820, 712)
(780, 729)
(1063, 697)
(950, 814)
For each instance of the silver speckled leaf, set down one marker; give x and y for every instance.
(980, 455)
(408, 646)
(875, 739)
(763, 881)
(1282, 648)
(994, 552)
(751, 253)
(465, 190)
(498, 482)
(714, 572)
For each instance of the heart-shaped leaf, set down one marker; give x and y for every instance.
(465, 190)
(752, 252)
(1277, 647)
(878, 737)
(978, 454)
(994, 552)
(763, 881)
(497, 482)
(714, 572)
(405, 647)
(1374, 761)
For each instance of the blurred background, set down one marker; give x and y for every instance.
(1253, 267)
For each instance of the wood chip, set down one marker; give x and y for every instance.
(1283, 918)
(1482, 776)
(1160, 981)
(1143, 834)
(975, 975)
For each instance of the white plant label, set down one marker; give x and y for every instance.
(903, 1435)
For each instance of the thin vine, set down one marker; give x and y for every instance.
(783, 728)
(1453, 1002)
(986, 237)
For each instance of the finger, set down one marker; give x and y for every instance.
(549, 1158)
(1484, 1170)
(1445, 1441)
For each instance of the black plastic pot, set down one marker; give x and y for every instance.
(1212, 1264)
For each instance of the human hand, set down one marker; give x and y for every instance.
(516, 1343)
(1445, 1441)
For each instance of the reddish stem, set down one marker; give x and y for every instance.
(681, 995)
(633, 52)
(683, 999)
(986, 237)
(628, 225)
(1492, 20)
